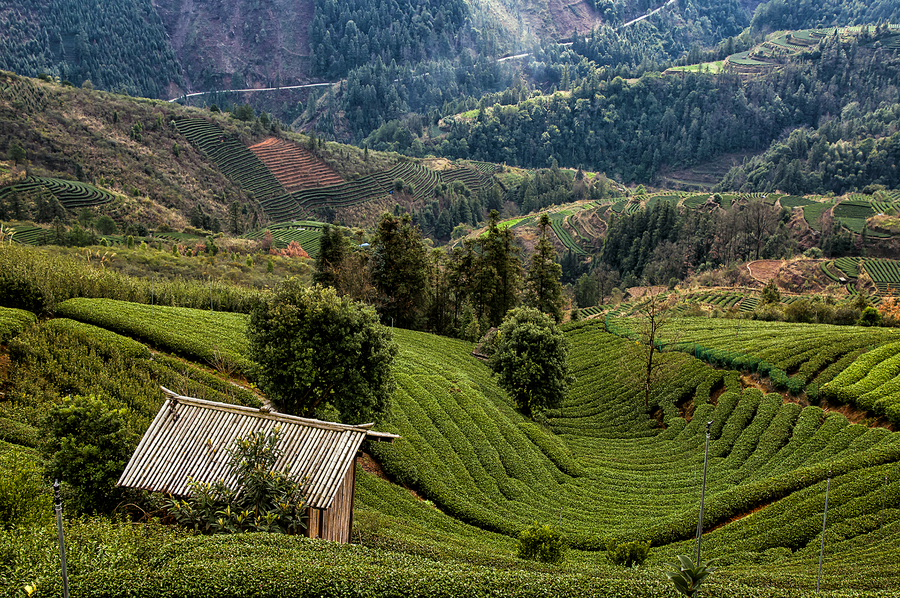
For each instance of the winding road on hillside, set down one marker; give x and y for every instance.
(308, 85)
(649, 14)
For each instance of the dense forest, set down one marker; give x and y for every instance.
(118, 45)
(778, 15)
(631, 130)
(852, 151)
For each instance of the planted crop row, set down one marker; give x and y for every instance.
(294, 167)
(556, 223)
(872, 382)
(476, 180)
(30, 235)
(600, 455)
(72, 195)
(232, 157)
(792, 354)
(793, 201)
(849, 266)
(826, 270)
(422, 180)
(216, 338)
(813, 214)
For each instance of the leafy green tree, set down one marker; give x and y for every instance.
(530, 360)
(314, 349)
(332, 251)
(87, 445)
(16, 153)
(399, 269)
(105, 225)
(770, 293)
(498, 272)
(543, 290)
(261, 499)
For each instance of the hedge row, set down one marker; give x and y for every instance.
(216, 338)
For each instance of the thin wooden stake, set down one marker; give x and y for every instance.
(62, 542)
(703, 493)
(824, 520)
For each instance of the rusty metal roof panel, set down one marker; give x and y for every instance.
(188, 438)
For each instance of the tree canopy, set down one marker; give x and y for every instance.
(314, 349)
(530, 360)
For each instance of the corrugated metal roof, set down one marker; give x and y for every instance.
(188, 438)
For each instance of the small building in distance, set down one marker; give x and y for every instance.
(188, 436)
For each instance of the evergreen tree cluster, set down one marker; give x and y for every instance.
(118, 45)
(346, 35)
(777, 15)
(631, 130)
(848, 153)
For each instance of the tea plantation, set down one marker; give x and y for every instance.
(471, 472)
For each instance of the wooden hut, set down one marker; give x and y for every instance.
(188, 437)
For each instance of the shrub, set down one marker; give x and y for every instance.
(542, 543)
(87, 445)
(627, 554)
(530, 360)
(262, 500)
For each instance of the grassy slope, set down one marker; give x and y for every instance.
(70, 127)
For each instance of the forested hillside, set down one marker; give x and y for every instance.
(630, 130)
(775, 15)
(119, 45)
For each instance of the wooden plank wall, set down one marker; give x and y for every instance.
(335, 523)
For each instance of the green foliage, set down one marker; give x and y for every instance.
(260, 499)
(13, 321)
(88, 445)
(687, 576)
(530, 360)
(542, 543)
(112, 342)
(137, 58)
(315, 349)
(627, 554)
(398, 270)
(218, 338)
(770, 293)
(543, 290)
(869, 317)
(24, 498)
(37, 281)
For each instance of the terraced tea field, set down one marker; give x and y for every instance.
(294, 167)
(72, 195)
(599, 467)
(307, 233)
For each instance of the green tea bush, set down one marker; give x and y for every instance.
(627, 554)
(542, 543)
(111, 342)
(24, 498)
(13, 321)
(37, 281)
(218, 338)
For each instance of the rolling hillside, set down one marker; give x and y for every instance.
(599, 467)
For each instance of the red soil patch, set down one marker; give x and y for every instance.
(294, 167)
(764, 270)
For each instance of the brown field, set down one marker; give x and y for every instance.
(294, 166)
